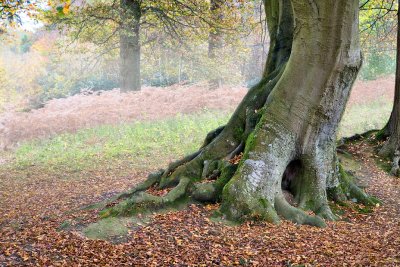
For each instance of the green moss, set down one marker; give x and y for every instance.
(349, 163)
(352, 191)
(365, 209)
(205, 192)
(250, 142)
(263, 203)
(145, 205)
(133, 206)
(381, 135)
(384, 164)
(239, 205)
(227, 172)
(337, 208)
(65, 225)
(107, 228)
(344, 180)
(218, 217)
(233, 206)
(238, 132)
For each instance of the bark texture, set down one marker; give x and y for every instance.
(392, 129)
(215, 39)
(284, 130)
(130, 46)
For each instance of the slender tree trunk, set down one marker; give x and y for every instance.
(254, 66)
(130, 46)
(284, 130)
(392, 129)
(180, 70)
(215, 40)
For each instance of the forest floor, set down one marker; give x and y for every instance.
(96, 150)
(41, 222)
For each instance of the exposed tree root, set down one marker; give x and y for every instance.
(357, 137)
(387, 150)
(210, 162)
(296, 215)
(395, 170)
(285, 127)
(348, 190)
(209, 176)
(391, 150)
(211, 180)
(142, 201)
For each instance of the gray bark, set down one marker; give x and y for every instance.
(130, 46)
(215, 39)
(301, 117)
(392, 129)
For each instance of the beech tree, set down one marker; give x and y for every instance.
(131, 13)
(215, 38)
(283, 133)
(391, 131)
(128, 25)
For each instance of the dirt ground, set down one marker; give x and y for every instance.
(34, 207)
(80, 111)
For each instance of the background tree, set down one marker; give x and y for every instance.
(67, 63)
(129, 25)
(284, 130)
(259, 43)
(215, 38)
(132, 25)
(380, 19)
(131, 12)
(378, 24)
(391, 131)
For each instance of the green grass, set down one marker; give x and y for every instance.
(107, 228)
(143, 144)
(360, 118)
(148, 145)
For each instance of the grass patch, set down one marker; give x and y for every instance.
(107, 229)
(149, 145)
(384, 164)
(350, 164)
(143, 144)
(360, 118)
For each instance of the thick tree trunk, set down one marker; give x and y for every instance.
(130, 46)
(301, 117)
(215, 40)
(392, 129)
(284, 130)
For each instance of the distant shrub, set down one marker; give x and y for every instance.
(162, 80)
(378, 64)
(95, 84)
(25, 44)
(58, 86)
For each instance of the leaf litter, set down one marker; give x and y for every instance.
(42, 215)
